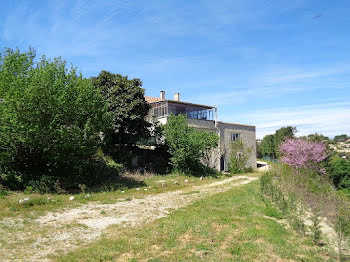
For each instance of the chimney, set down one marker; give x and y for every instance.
(162, 95)
(177, 97)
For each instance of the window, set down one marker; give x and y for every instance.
(234, 137)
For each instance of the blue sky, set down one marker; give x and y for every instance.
(266, 63)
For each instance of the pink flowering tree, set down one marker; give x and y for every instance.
(301, 153)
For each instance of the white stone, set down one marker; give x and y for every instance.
(87, 196)
(186, 180)
(176, 183)
(145, 189)
(71, 198)
(122, 192)
(163, 184)
(201, 178)
(138, 189)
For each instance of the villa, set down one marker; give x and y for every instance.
(205, 118)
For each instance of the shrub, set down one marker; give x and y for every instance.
(51, 120)
(186, 145)
(239, 155)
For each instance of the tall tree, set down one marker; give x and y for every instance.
(127, 105)
(341, 138)
(51, 118)
(281, 135)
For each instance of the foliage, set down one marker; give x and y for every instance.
(339, 170)
(281, 135)
(185, 144)
(269, 146)
(51, 119)
(292, 191)
(239, 155)
(316, 138)
(341, 138)
(127, 105)
(300, 153)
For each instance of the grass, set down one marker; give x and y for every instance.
(237, 225)
(41, 203)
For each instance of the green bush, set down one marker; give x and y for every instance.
(239, 157)
(339, 170)
(186, 145)
(52, 120)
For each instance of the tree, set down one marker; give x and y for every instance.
(239, 155)
(270, 143)
(281, 135)
(51, 118)
(300, 153)
(341, 138)
(127, 105)
(339, 170)
(187, 146)
(267, 147)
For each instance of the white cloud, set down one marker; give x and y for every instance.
(329, 119)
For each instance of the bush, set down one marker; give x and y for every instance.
(239, 157)
(186, 145)
(51, 120)
(339, 170)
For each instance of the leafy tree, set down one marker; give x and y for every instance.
(339, 170)
(341, 138)
(281, 135)
(127, 105)
(267, 146)
(270, 143)
(239, 155)
(187, 146)
(51, 118)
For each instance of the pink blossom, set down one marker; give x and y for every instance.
(300, 153)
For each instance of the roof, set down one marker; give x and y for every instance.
(151, 100)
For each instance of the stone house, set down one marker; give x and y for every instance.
(205, 118)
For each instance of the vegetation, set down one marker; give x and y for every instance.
(300, 182)
(186, 145)
(237, 225)
(239, 155)
(269, 147)
(341, 138)
(127, 105)
(52, 121)
(339, 170)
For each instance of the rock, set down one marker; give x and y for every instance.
(87, 196)
(26, 200)
(150, 187)
(163, 184)
(20, 201)
(186, 180)
(145, 189)
(193, 180)
(122, 192)
(138, 189)
(176, 183)
(49, 199)
(71, 198)
(201, 178)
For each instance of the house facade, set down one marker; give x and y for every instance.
(205, 118)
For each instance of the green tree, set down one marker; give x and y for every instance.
(341, 138)
(267, 147)
(339, 170)
(187, 146)
(270, 143)
(51, 118)
(281, 135)
(127, 105)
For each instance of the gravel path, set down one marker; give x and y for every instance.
(64, 231)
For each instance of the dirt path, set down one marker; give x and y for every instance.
(64, 231)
